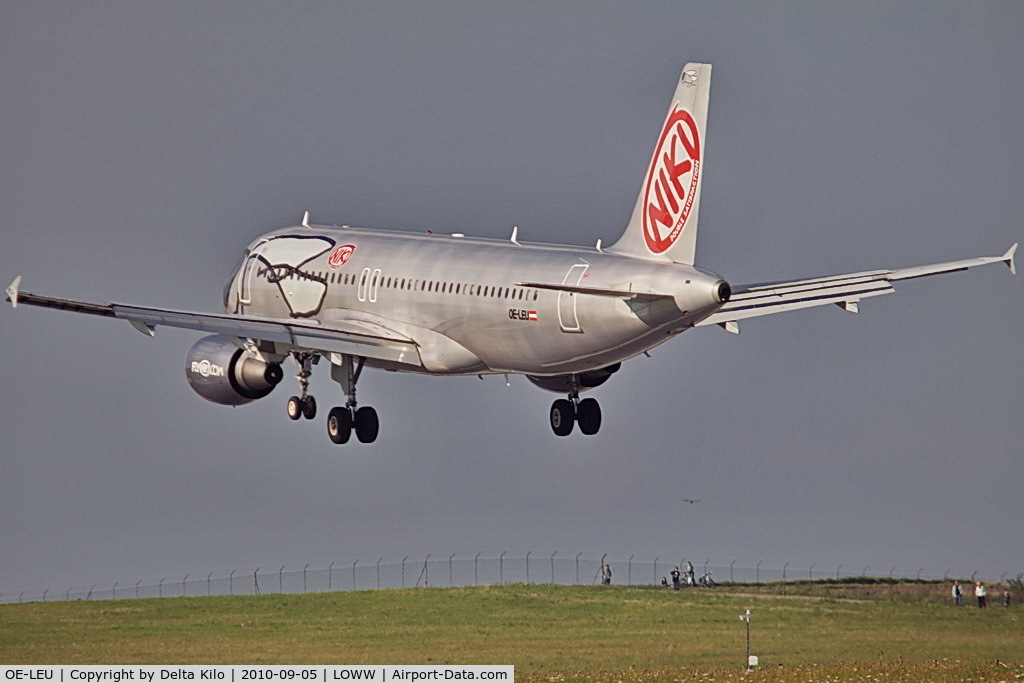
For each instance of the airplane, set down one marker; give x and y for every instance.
(566, 317)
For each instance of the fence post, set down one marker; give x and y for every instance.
(553, 567)
(378, 571)
(280, 579)
(730, 570)
(305, 587)
(208, 589)
(758, 571)
(501, 568)
(629, 572)
(451, 582)
(256, 581)
(528, 566)
(330, 577)
(160, 588)
(837, 571)
(784, 567)
(810, 572)
(578, 569)
(231, 584)
(403, 570)
(183, 582)
(656, 569)
(353, 573)
(476, 570)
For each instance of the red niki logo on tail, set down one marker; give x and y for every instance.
(671, 182)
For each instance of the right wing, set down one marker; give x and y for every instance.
(749, 301)
(344, 336)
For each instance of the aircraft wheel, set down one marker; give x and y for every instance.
(588, 414)
(309, 408)
(294, 407)
(562, 417)
(339, 425)
(366, 424)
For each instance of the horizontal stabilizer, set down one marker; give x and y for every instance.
(749, 301)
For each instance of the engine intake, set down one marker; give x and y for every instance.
(222, 373)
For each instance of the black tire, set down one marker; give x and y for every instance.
(562, 416)
(367, 425)
(588, 414)
(309, 408)
(294, 407)
(339, 425)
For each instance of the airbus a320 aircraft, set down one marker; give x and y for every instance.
(565, 317)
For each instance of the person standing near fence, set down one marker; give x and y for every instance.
(980, 592)
(689, 574)
(957, 594)
(606, 575)
(675, 578)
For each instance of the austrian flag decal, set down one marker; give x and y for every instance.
(671, 183)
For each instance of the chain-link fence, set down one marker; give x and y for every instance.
(462, 570)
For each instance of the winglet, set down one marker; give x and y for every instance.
(1008, 258)
(305, 220)
(12, 291)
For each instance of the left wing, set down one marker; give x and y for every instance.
(749, 301)
(353, 337)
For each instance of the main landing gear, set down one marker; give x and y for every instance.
(567, 412)
(342, 421)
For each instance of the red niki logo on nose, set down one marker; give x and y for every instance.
(341, 255)
(671, 182)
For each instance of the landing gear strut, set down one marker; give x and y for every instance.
(343, 420)
(303, 405)
(567, 412)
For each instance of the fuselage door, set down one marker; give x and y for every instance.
(567, 300)
(249, 270)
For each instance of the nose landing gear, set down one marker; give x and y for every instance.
(303, 405)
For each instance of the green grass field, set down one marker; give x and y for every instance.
(810, 631)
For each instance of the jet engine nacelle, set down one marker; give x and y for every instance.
(563, 384)
(222, 373)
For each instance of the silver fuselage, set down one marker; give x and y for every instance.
(473, 305)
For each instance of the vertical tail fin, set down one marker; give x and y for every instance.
(664, 221)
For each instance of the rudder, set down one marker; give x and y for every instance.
(664, 221)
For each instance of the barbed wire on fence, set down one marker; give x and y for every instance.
(452, 571)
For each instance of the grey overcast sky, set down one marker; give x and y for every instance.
(145, 144)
